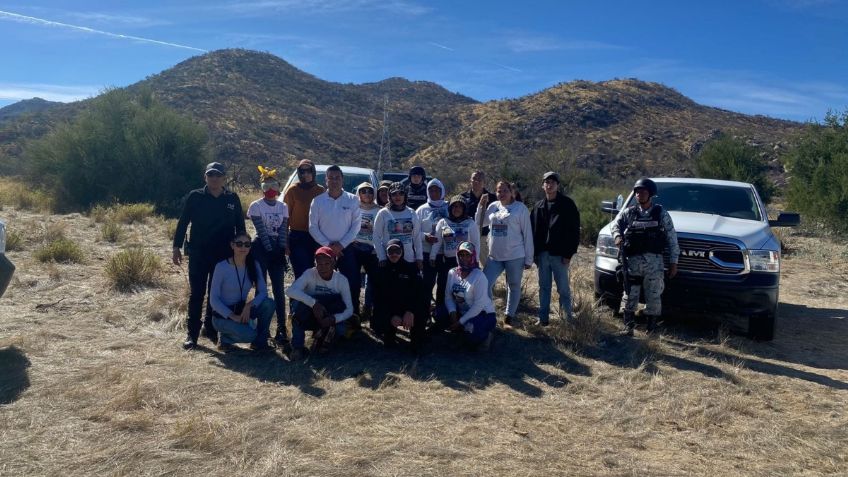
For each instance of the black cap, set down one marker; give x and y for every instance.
(216, 167)
(551, 175)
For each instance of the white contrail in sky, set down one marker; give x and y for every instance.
(441, 46)
(40, 21)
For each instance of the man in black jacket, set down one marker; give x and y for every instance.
(216, 216)
(399, 299)
(556, 235)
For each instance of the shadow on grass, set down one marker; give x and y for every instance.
(524, 364)
(14, 379)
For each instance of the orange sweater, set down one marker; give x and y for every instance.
(298, 200)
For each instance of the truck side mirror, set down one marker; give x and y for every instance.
(609, 206)
(786, 219)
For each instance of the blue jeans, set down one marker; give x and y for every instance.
(303, 320)
(475, 330)
(232, 332)
(302, 249)
(514, 270)
(551, 265)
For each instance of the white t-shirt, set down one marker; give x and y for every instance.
(311, 284)
(366, 231)
(468, 296)
(450, 234)
(511, 234)
(402, 225)
(272, 216)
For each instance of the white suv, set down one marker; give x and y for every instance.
(353, 176)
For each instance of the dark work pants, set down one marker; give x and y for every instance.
(365, 258)
(381, 323)
(274, 266)
(349, 267)
(200, 268)
(444, 266)
(302, 249)
(429, 273)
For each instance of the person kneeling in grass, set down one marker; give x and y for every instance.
(468, 308)
(237, 319)
(400, 300)
(321, 304)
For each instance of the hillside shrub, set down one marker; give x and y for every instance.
(730, 158)
(125, 148)
(132, 268)
(23, 196)
(132, 213)
(61, 250)
(592, 218)
(14, 240)
(818, 172)
(111, 231)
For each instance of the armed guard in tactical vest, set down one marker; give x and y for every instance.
(642, 232)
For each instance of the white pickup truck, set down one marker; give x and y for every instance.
(729, 258)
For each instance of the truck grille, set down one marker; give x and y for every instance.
(707, 256)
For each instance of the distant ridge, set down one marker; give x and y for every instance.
(260, 109)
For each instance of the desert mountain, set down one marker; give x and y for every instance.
(260, 109)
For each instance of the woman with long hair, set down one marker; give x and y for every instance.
(237, 318)
(510, 243)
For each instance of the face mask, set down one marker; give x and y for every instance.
(271, 194)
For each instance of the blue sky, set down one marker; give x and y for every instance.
(781, 58)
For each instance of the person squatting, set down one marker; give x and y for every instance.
(416, 254)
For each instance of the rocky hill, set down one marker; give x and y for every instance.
(260, 109)
(615, 129)
(26, 106)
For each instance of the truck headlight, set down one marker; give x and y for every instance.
(764, 260)
(606, 246)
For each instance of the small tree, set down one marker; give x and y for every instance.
(818, 172)
(126, 147)
(732, 159)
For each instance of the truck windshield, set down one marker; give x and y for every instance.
(727, 201)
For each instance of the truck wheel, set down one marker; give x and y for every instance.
(761, 326)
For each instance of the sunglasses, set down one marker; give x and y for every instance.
(304, 171)
(214, 174)
(394, 251)
(241, 244)
(366, 191)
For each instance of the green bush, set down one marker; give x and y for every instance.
(592, 218)
(125, 148)
(818, 172)
(14, 241)
(61, 250)
(111, 231)
(732, 159)
(132, 268)
(132, 213)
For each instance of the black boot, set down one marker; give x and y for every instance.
(629, 323)
(651, 327)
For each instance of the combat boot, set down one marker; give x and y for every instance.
(629, 323)
(651, 326)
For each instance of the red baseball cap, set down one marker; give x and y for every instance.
(326, 251)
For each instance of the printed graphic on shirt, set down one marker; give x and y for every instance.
(366, 232)
(433, 215)
(273, 221)
(453, 236)
(324, 290)
(400, 229)
(458, 293)
(499, 229)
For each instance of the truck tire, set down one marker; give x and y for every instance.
(761, 326)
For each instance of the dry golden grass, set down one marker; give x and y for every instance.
(134, 268)
(22, 196)
(94, 382)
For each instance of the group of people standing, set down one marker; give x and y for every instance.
(418, 249)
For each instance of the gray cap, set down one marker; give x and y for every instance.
(216, 167)
(551, 175)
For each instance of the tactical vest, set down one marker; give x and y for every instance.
(644, 234)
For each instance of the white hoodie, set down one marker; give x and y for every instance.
(511, 235)
(430, 213)
(402, 225)
(450, 234)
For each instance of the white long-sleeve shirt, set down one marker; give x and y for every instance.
(335, 220)
(402, 225)
(511, 234)
(450, 234)
(468, 296)
(429, 217)
(310, 284)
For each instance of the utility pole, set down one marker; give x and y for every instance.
(384, 140)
